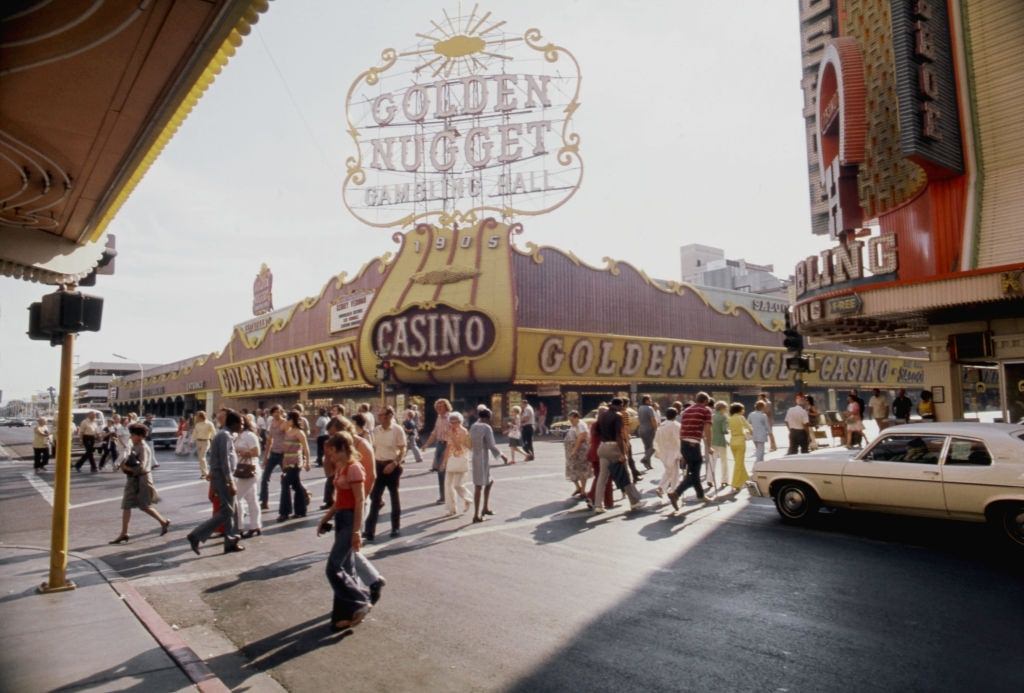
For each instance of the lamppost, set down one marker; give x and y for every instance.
(383, 375)
(142, 378)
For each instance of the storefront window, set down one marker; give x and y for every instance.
(1013, 377)
(980, 387)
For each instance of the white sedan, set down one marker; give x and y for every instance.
(963, 471)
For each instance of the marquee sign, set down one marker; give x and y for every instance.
(470, 119)
(262, 292)
(545, 356)
(433, 337)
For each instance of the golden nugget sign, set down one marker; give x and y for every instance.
(331, 365)
(572, 358)
(469, 119)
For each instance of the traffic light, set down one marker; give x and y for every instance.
(64, 312)
(793, 340)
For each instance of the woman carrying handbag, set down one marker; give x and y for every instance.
(139, 491)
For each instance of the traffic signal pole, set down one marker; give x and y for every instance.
(58, 581)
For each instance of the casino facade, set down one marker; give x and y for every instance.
(916, 161)
(465, 313)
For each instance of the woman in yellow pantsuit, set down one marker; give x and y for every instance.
(738, 428)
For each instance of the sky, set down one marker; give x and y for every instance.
(690, 126)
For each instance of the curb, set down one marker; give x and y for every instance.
(180, 653)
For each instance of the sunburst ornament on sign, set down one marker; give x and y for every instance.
(466, 123)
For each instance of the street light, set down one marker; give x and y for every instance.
(142, 378)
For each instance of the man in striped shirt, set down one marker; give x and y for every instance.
(695, 427)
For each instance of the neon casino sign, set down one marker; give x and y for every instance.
(469, 120)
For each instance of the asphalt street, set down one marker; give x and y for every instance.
(546, 596)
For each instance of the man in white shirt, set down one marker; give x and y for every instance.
(87, 431)
(527, 420)
(667, 449)
(879, 407)
(799, 425)
(389, 453)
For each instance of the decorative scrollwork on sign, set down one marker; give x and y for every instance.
(612, 266)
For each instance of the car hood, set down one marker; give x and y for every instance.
(814, 458)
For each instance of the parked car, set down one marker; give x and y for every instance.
(963, 471)
(14, 423)
(164, 433)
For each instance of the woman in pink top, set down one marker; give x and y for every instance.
(352, 599)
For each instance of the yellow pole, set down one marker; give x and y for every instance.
(58, 581)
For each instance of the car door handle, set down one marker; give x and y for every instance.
(931, 473)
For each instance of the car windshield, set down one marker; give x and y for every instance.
(165, 423)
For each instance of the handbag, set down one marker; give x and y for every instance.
(130, 464)
(245, 470)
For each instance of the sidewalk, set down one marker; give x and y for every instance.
(87, 639)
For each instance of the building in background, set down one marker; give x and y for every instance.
(92, 382)
(916, 163)
(705, 265)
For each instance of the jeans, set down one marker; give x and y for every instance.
(89, 443)
(274, 459)
(389, 481)
(329, 491)
(350, 594)
(759, 451)
(647, 436)
(320, 440)
(528, 439)
(694, 460)
(411, 446)
(798, 438)
(40, 457)
(438, 459)
(225, 515)
(108, 451)
(290, 482)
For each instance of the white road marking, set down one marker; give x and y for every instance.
(118, 498)
(45, 490)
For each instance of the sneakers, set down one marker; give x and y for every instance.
(598, 511)
(638, 506)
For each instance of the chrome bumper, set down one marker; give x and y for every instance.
(753, 489)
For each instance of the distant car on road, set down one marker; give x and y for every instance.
(15, 423)
(164, 433)
(963, 471)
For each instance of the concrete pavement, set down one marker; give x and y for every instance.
(85, 639)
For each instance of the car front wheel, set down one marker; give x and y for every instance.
(796, 502)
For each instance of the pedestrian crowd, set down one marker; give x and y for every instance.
(702, 445)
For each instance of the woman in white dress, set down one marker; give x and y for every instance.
(577, 442)
(515, 433)
(247, 479)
